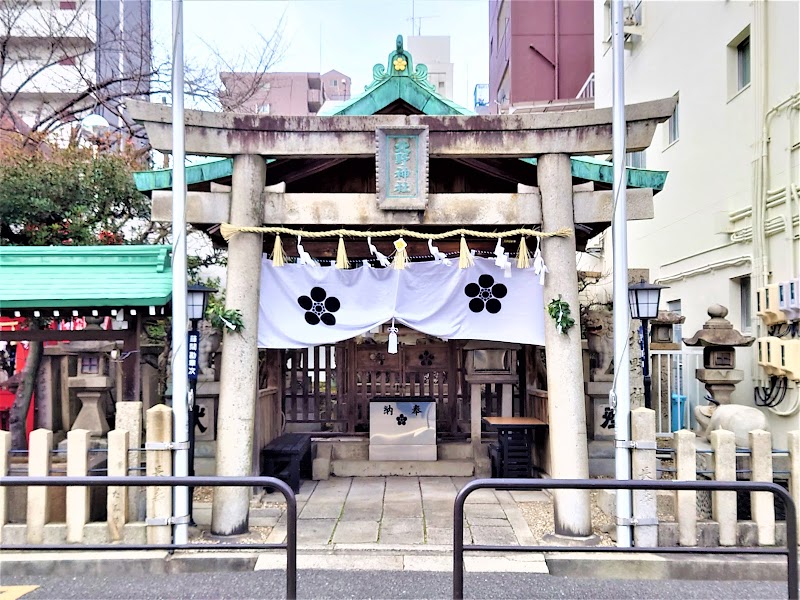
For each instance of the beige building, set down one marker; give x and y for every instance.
(726, 223)
(293, 94)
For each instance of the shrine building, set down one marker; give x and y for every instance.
(406, 273)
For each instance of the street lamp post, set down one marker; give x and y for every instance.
(643, 300)
(197, 302)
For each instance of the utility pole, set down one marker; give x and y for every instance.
(180, 357)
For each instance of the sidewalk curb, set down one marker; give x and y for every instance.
(729, 567)
(595, 565)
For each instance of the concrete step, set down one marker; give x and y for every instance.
(383, 468)
(358, 449)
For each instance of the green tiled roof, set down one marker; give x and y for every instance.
(82, 276)
(400, 80)
(161, 179)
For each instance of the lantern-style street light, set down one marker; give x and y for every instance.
(643, 299)
(196, 304)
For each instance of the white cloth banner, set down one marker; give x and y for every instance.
(303, 306)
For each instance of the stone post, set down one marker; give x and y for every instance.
(794, 471)
(643, 467)
(686, 466)
(239, 376)
(38, 510)
(723, 504)
(159, 462)
(129, 418)
(507, 405)
(569, 459)
(762, 503)
(475, 418)
(117, 499)
(5, 448)
(78, 441)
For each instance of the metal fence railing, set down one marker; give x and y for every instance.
(790, 550)
(675, 390)
(171, 481)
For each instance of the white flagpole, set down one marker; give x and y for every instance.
(620, 393)
(180, 378)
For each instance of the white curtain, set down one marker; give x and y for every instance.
(304, 306)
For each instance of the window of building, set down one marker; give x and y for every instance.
(745, 302)
(739, 63)
(636, 160)
(65, 5)
(335, 83)
(607, 23)
(743, 63)
(673, 126)
(264, 108)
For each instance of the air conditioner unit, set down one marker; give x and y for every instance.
(789, 299)
(772, 308)
(790, 359)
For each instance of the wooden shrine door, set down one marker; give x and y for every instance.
(422, 370)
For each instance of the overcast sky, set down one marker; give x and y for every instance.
(347, 35)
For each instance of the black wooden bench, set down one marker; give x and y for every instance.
(285, 456)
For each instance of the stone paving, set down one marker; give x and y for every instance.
(394, 511)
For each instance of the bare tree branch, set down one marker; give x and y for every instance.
(66, 57)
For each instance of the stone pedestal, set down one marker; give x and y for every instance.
(720, 383)
(92, 416)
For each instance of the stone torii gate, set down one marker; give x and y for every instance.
(553, 203)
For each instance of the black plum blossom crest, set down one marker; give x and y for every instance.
(426, 359)
(485, 294)
(402, 419)
(319, 307)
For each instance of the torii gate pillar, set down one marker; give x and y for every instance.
(569, 457)
(239, 377)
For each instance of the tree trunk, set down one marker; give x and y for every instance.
(22, 401)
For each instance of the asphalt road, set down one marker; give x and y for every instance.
(377, 584)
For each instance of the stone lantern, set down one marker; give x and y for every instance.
(91, 384)
(719, 341)
(662, 328)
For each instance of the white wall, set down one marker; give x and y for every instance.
(684, 50)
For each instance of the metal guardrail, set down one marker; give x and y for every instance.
(171, 481)
(790, 550)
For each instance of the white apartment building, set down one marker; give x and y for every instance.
(433, 51)
(67, 58)
(48, 55)
(726, 222)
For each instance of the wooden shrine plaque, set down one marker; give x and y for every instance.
(401, 167)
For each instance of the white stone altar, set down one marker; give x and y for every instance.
(402, 429)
